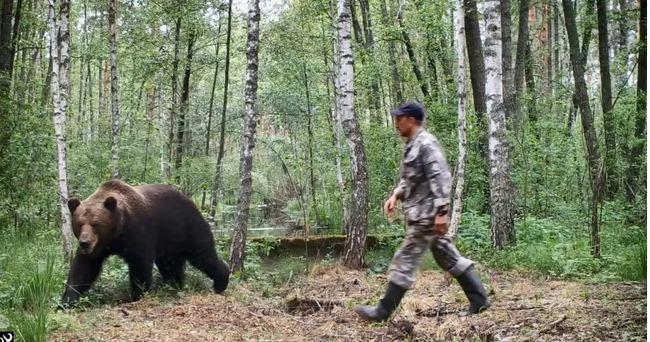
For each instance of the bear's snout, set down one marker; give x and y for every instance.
(87, 240)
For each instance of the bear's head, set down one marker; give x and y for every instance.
(95, 223)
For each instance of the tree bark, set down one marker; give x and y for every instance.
(606, 97)
(636, 153)
(358, 35)
(59, 40)
(356, 238)
(414, 63)
(310, 138)
(397, 97)
(222, 131)
(171, 143)
(238, 244)
(587, 122)
(211, 107)
(520, 63)
(375, 103)
(115, 110)
(6, 43)
(477, 77)
(91, 115)
(462, 136)
(506, 52)
(501, 202)
(475, 58)
(6, 62)
(333, 118)
(185, 96)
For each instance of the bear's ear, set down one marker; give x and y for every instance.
(110, 203)
(73, 203)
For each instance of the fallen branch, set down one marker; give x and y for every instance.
(553, 324)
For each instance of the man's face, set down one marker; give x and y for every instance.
(405, 125)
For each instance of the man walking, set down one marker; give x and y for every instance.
(424, 188)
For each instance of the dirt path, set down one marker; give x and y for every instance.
(317, 308)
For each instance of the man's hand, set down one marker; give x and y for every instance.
(389, 205)
(441, 224)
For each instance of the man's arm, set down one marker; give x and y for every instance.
(438, 175)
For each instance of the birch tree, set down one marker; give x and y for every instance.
(356, 238)
(115, 110)
(462, 137)
(586, 116)
(59, 43)
(502, 222)
(238, 243)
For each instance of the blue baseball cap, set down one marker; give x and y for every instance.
(409, 108)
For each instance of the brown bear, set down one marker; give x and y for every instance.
(142, 225)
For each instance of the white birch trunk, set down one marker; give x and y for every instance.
(358, 221)
(502, 223)
(60, 102)
(238, 244)
(462, 136)
(336, 127)
(115, 111)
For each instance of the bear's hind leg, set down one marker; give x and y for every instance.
(172, 270)
(206, 261)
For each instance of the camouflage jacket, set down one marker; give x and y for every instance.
(425, 180)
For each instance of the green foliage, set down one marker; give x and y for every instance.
(30, 286)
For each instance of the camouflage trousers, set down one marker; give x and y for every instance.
(419, 239)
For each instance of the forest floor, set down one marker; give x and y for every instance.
(317, 307)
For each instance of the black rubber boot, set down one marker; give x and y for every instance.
(382, 311)
(474, 290)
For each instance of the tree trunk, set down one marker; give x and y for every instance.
(6, 44)
(115, 110)
(59, 40)
(151, 107)
(171, 143)
(556, 41)
(506, 52)
(477, 77)
(238, 244)
(587, 122)
(546, 47)
(15, 37)
(358, 35)
(211, 107)
(414, 63)
(333, 115)
(520, 63)
(222, 132)
(475, 58)
(606, 96)
(212, 92)
(636, 153)
(584, 51)
(397, 97)
(6, 62)
(356, 237)
(375, 103)
(185, 95)
(622, 25)
(91, 116)
(310, 137)
(501, 202)
(462, 137)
